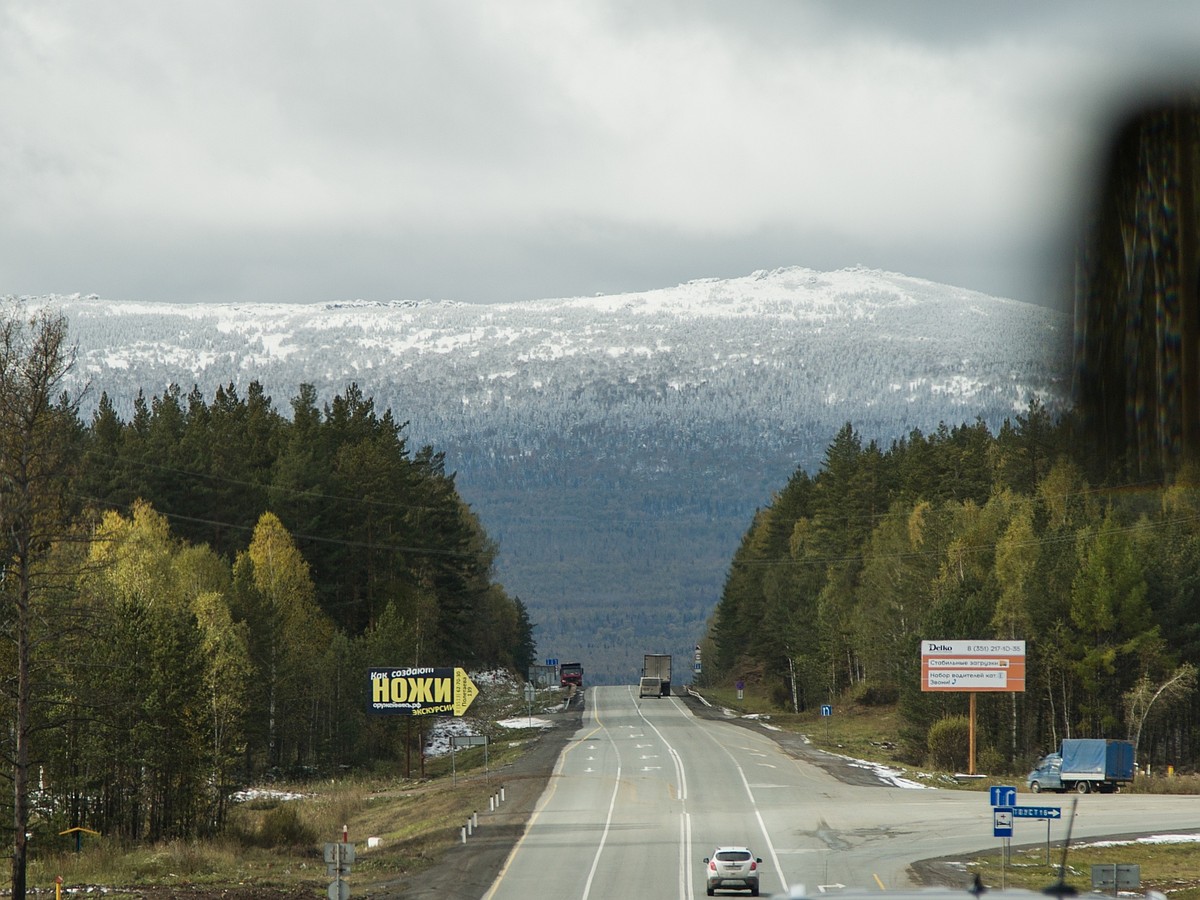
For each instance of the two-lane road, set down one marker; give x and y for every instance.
(646, 790)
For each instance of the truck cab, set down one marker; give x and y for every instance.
(1046, 775)
(571, 675)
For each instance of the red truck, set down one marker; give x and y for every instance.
(571, 675)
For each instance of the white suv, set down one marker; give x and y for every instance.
(732, 867)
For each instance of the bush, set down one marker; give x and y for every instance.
(949, 743)
(990, 761)
(870, 693)
(282, 827)
(781, 697)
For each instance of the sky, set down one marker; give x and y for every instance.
(483, 151)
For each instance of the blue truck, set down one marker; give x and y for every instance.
(1084, 765)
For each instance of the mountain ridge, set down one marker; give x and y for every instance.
(616, 447)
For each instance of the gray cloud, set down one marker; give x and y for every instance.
(481, 151)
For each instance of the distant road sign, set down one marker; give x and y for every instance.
(553, 661)
(339, 853)
(827, 710)
(1037, 812)
(1003, 795)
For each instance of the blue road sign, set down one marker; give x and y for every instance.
(1037, 812)
(827, 710)
(1002, 795)
(1002, 821)
(552, 662)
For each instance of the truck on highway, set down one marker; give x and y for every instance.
(656, 675)
(571, 675)
(1084, 765)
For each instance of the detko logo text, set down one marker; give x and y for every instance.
(973, 648)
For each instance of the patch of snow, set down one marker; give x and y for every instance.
(887, 774)
(1148, 839)
(524, 722)
(264, 794)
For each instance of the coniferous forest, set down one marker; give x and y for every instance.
(965, 534)
(1078, 535)
(192, 598)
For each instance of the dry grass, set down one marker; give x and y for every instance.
(1172, 869)
(273, 842)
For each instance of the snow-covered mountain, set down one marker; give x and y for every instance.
(615, 446)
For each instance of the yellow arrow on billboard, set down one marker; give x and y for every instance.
(464, 691)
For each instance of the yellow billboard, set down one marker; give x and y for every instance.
(418, 691)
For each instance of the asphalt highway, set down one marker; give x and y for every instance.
(645, 790)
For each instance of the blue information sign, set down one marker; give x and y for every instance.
(827, 710)
(1003, 795)
(1002, 821)
(1037, 812)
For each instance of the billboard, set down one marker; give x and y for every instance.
(398, 691)
(973, 666)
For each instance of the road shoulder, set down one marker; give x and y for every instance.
(468, 870)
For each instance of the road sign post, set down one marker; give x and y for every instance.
(1002, 827)
(338, 857)
(1004, 797)
(1049, 813)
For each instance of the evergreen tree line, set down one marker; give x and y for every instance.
(966, 534)
(193, 597)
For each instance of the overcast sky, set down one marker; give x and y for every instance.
(288, 150)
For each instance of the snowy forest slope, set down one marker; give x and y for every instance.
(616, 447)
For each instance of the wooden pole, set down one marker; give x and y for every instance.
(971, 731)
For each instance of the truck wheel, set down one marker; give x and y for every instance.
(1083, 787)
(1035, 787)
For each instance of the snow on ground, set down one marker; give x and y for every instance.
(441, 730)
(264, 794)
(524, 722)
(437, 739)
(887, 774)
(1148, 839)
